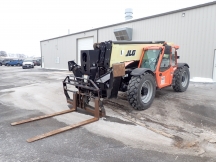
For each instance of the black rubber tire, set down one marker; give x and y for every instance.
(134, 88)
(0, 64)
(178, 79)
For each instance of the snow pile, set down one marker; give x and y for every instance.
(203, 80)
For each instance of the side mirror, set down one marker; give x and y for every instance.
(178, 57)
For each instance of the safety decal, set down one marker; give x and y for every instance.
(162, 79)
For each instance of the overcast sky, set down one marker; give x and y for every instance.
(24, 23)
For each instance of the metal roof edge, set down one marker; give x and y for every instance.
(139, 19)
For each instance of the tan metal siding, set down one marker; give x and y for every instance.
(195, 34)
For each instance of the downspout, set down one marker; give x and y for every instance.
(41, 55)
(97, 35)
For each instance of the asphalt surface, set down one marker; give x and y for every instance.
(79, 144)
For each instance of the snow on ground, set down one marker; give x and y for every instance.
(202, 80)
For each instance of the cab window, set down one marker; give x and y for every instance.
(165, 62)
(173, 60)
(150, 59)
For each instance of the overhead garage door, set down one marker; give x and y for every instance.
(84, 44)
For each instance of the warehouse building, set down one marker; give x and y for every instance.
(193, 29)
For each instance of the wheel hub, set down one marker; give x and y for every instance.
(146, 91)
(184, 79)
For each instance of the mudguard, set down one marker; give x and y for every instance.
(140, 71)
(182, 64)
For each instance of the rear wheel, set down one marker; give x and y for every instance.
(182, 79)
(141, 91)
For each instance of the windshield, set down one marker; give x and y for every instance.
(150, 59)
(27, 60)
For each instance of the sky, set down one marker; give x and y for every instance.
(24, 23)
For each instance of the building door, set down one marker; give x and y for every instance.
(84, 44)
(214, 68)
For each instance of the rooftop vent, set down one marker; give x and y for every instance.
(128, 14)
(123, 34)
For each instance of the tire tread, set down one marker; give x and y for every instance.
(133, 90)
(177, 87)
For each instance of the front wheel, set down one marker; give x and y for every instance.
(141, 91)
(182, 79)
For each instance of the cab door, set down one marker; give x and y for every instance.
(165, 69)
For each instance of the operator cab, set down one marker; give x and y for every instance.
(162, 61)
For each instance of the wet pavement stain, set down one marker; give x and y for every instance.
(178, 141)
(208, 111)
(1, 93)
(7, 87)
(117, 120)
(199, 115)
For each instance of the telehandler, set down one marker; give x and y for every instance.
(135, 67)
(138, 68)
